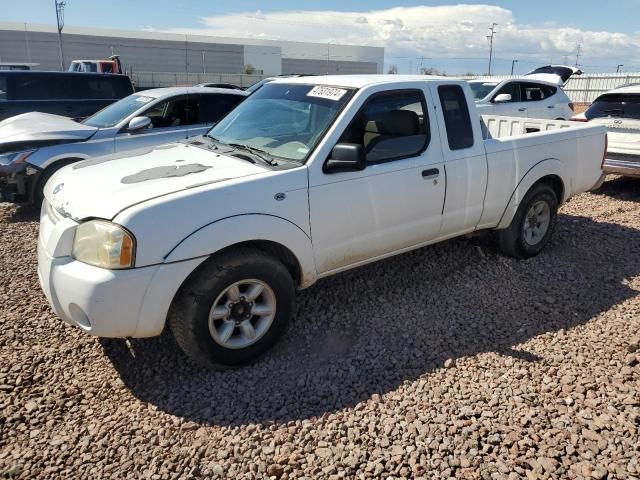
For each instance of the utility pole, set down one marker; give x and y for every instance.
(578, 54)
(492, 29)
(60, 20)
(619, 67)
(513, 65)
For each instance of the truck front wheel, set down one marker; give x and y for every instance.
(533, 224)
(233, 309)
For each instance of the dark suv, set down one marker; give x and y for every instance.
(75, 95)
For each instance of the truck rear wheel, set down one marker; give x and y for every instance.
(233, 309)
(532, 225)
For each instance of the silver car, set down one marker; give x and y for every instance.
(35, 145)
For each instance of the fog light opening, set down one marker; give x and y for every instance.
(78, 316)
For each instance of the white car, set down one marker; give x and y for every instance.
(306, 178)
(538, 94)
(619, 111)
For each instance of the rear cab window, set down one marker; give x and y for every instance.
(456, 117)
(615, 105)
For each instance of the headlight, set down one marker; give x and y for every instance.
(104, 244)
(15, 157)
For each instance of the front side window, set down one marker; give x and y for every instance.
(615, 105)
(513, 89)
(456, 117)
(284, 120)
(390, 126)
(175, 112)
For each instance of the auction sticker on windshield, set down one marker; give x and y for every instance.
(330, 93)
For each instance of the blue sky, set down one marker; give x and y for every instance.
(533, 32)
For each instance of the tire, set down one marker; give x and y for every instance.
(522, 239)
(208, 342)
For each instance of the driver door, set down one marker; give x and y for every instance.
(396, 202)
(170, 122)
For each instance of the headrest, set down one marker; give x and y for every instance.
(400, 123)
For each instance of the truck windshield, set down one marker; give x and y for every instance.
(615, 105)
(481, 90)
(284, 120)
(116, 112)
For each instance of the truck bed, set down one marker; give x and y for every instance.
(514, 146)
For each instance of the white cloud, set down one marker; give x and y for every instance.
(457, 31)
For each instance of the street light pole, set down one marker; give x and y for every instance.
(60, 20)
(513, 65)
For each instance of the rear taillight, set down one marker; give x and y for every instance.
(606, 147)
(572, 107)
(579, 119)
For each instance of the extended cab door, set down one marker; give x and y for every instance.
(465, 160)
(170, 122)
(396, 201)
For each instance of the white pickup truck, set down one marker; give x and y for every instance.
(306, 178)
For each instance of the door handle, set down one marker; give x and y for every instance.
(522, 109)
(430, 173)
(551, 106)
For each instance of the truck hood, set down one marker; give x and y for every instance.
(40, 128)
(104, 186)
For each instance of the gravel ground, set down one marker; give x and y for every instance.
(452, 361)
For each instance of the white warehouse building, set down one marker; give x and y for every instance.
(144, 51)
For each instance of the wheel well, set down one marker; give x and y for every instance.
(556, 183)
(47, 172)
(280, 252)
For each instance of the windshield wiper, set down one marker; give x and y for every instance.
(258, 153)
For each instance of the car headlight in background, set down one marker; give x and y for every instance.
(104, 244)
(15, 158)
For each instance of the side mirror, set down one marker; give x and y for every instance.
(502, 98)
(345, 157)
(138, 123)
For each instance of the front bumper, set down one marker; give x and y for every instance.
(622, 164)
(111, 303)
(105, 303)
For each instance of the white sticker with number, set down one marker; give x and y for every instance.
(330, 93)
